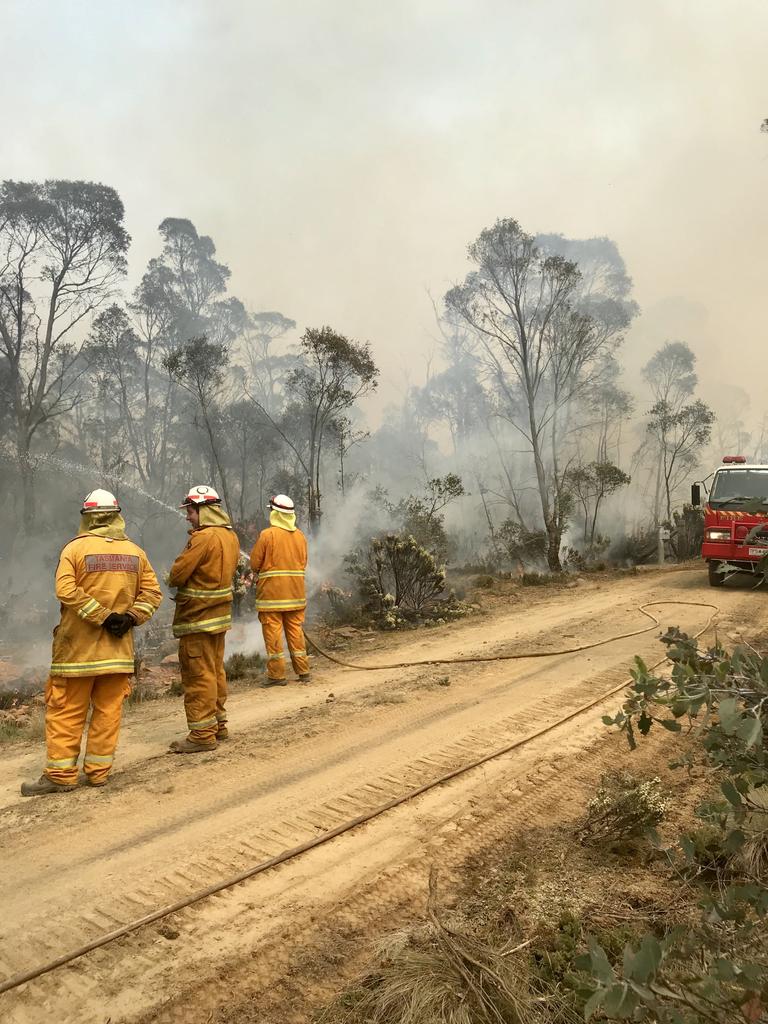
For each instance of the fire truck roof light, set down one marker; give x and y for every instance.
(730, 459)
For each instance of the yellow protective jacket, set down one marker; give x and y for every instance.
(203, 575)
(279, 556)
(98, 575)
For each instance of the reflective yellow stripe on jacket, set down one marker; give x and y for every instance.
(202, 575)
(279, 556)
(92, 668)
(216, 625)
(89, 608)
(95, 575)
(205, 595)
(280, 572)
(287, 605)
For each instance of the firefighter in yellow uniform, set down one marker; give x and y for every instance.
(106, 586)
(203, 575)
(280, 558)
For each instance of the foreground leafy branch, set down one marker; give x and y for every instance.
(716, 968)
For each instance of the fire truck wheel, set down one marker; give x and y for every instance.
(716, 579)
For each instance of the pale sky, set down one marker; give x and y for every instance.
(342, 154)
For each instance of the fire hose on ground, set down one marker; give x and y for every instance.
(523, 655)
(20, 979)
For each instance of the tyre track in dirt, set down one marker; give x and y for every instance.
(552, 617)
(266, 936)
(282, 973)
(293, 817)
(235, 852)
(148, 963)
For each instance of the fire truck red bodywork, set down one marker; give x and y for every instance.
(732, 535)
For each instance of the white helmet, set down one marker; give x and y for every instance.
(281, 503)
(100, 501)
(201, 495)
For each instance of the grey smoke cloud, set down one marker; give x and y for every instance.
(342, 154)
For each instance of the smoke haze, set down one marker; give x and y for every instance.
(343, 155)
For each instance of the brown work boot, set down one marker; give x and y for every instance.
(186, 746)
(274, 682)
(222, 733)
(43, 786)
(305, 678)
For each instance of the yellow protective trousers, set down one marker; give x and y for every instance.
(272, 626)
(66, 709)
(201, 659)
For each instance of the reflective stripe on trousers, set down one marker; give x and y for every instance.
(273, 623)
(66, 709)
(201, 658)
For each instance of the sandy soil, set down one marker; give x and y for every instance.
(301, 761)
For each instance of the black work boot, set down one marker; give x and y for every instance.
(305, 678)
(43, 786)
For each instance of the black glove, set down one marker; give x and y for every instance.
(118, 623)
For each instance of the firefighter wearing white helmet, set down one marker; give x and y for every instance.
(201, 494)
(106, 587)
(100, 501)
(281, 503)
(280, 558)
(202, 575)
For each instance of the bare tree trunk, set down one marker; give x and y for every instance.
(586, 519)
(598, 499)
(216, 460)
(657, 496)
(491, 531)
(667, 491)
(313, 511)
(550, 521)
(243, 461)
(555, 534)
(28, 492)
(313, 481)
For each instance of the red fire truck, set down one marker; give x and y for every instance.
(735, 519)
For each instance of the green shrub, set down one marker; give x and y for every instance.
(240, 666)
(396, 577)
(522, 547)
(623, 808)
(536, 579)
(714, 968)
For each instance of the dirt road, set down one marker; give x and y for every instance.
(302, 760)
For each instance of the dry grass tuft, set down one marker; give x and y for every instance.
(142, 692)
(438, 975)
(753, 856)
(30, 727)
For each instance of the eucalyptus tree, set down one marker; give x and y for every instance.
(199, 366)
(62, 252)
(267, 369)
(333, 374)
(545, 333)
(678, 425)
